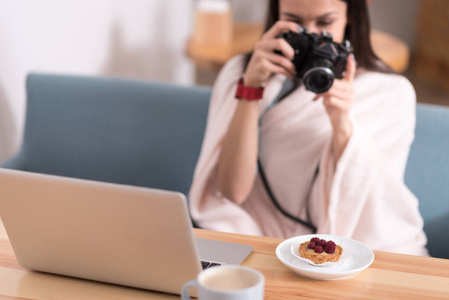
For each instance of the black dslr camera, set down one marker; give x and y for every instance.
(318, 60)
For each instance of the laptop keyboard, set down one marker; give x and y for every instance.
(208, 264)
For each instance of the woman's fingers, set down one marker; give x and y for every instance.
(351, 66)
(271, 45)
(279, 27)
(271, 41)
(274, 68)
(281, 61)
(272, 54)
(334, 102)
(338, 99)
(340, 89)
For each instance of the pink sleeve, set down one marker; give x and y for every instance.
(207, 206)
(365, 197)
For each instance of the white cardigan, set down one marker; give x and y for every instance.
(364, 198)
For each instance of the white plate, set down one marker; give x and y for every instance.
(356, 257)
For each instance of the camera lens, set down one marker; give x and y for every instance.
(318, 80)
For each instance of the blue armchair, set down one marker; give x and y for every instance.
(427, 174)
(150, 134)
(115, 130)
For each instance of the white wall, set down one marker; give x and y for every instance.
(129, 38)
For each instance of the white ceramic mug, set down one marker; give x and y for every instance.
(228, 282)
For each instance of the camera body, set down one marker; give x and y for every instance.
(318, 60)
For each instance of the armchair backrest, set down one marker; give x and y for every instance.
(427, 174)
(115, 130)
(150, 134)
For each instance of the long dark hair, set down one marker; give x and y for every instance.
(357, 32)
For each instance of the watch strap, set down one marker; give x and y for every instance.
(248, 93)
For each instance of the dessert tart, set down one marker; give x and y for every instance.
(320, 251)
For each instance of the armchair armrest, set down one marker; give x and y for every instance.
(15, 162)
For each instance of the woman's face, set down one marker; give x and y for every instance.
(316, 15)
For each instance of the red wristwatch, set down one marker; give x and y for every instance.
(248, 93)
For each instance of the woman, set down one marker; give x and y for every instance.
(329, 163)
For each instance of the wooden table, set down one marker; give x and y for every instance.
(391, 276)
(207, 58)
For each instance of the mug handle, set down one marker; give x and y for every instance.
(185, 289)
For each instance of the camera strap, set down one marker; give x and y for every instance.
(287, 88)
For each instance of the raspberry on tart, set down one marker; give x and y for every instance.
(320, 251)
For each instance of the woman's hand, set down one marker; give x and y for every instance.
(338, 101)
(264, 62)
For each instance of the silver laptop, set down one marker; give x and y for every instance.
(119, 234)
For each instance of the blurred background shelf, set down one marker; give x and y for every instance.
(210, 57)
(431, 60)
